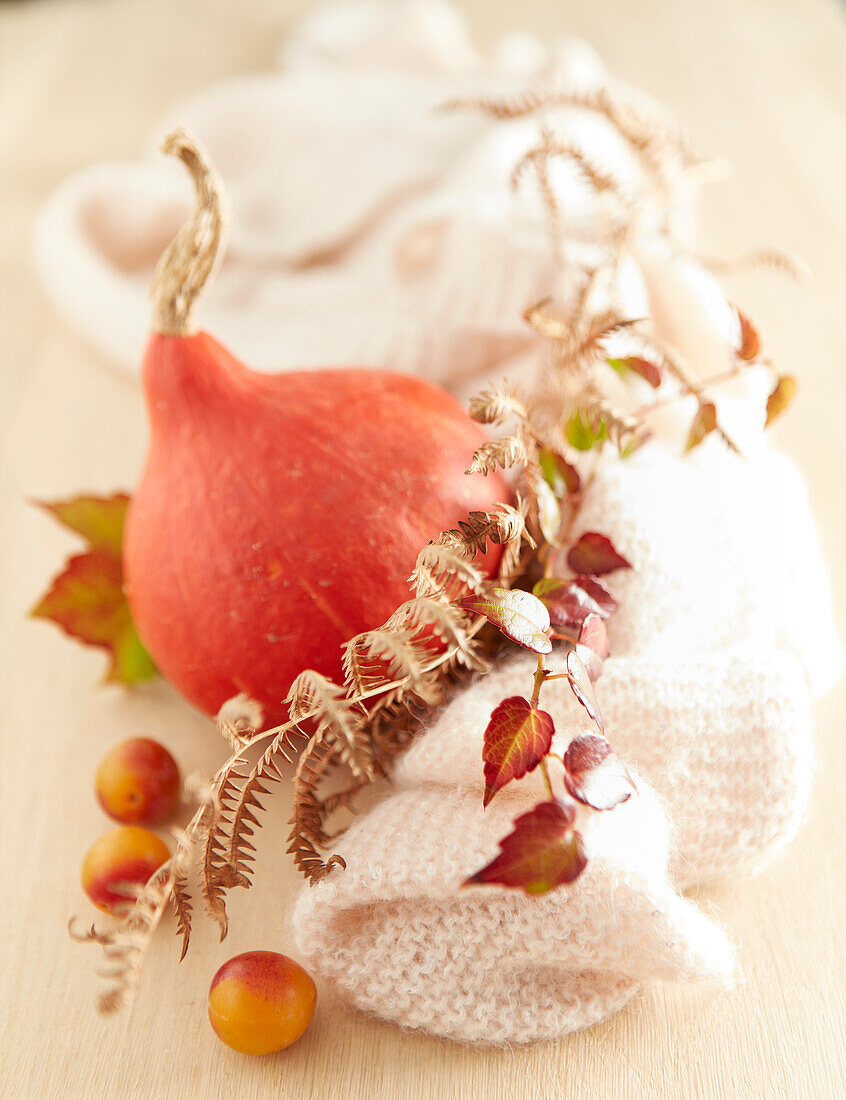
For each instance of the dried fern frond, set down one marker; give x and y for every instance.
(579, 340)
(241, 851)
(216, 874)
(444, 569)
(779, 259)
(307, 835)
(336, 717)
(650, 133)
(497, 404)
(600, 179)
(183, 909)
(126, 944)
(498, 453)
(239, 719)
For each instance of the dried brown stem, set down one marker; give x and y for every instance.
(189, 260)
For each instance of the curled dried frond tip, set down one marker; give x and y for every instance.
(239, 719)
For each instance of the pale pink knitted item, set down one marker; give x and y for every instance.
(398, 935)
(707, 697)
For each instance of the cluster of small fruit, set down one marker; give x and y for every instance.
(260, 1001)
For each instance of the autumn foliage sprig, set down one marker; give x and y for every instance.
(545, 850)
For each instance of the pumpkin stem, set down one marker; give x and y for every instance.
(190, 258)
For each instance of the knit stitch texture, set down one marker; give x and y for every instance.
(707, 698)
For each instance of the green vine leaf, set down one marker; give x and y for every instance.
(585, 432)
(87, 599)
(517, 738)
(542, 852)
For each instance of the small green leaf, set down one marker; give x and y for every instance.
(583, 432)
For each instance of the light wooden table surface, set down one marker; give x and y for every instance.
(759, 81)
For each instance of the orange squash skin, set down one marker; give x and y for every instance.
(279, 515)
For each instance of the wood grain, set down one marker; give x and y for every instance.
(759, 81)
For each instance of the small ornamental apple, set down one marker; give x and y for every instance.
(137, 783)
(261, 1002)
(277, 515)
(118, 863)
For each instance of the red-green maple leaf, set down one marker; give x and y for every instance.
(517, 738)
(99, 520)
(519, 615)
(594, 775)
(87, 599)
(595, 554)
(542, 852)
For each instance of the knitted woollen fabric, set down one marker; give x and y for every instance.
(706, 696)
(724, 741)
(724, 552)
(398, 935)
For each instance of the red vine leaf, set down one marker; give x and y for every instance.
(703, 424)
(781, 398)
(542, 852)
(519, 615)
(647, 370)
(571, 601)
(580, 682)
(595, 554)
(750, 340)
(517, 738)
(87, 600)
(594, 775)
